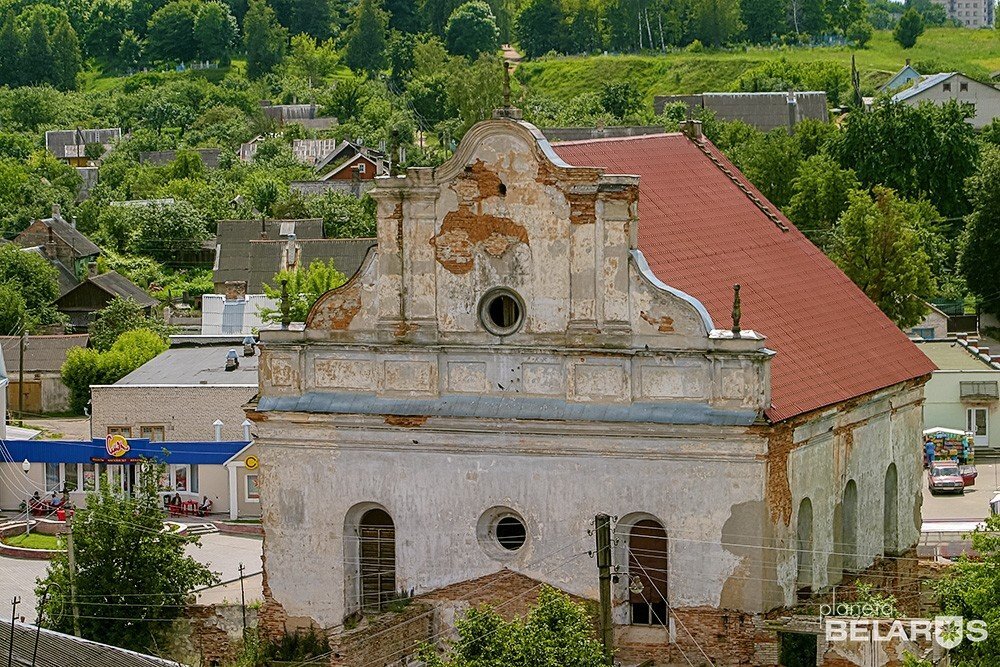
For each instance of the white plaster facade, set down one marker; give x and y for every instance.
(617, 394)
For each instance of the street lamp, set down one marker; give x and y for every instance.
(26, 467)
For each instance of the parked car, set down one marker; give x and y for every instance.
(945, 477)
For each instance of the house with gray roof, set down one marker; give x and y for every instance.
(95, 293)
(71, 145)
(44, 356)
(56, 649)
(63, 245)
(765, 111)
(901, 78)
(944, 86)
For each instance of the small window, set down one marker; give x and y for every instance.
(52, 477)
(963, 87)
(71, 480)
(361, 167)
(120, 430)
(181, 474)
(89, 476)
(184, 477)
(252, 489)
(927, 333)
(946, 87)
(152, 433)
(511, 533)
(501, 311)
(981, 390)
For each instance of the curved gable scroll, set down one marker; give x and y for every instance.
(350, 306)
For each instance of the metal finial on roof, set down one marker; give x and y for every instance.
(286, 315)
(506, 84)
(736, 311)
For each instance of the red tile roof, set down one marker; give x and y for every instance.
(702, 233)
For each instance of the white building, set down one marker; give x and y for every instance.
(970, 13)
(535, 341)
(939, 88)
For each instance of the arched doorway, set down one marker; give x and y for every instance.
(377, 559)
(647, 568)
(804, 546)
(890, 512)
(849, 548)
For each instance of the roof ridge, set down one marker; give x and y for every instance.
(742, 186)
(597, 140)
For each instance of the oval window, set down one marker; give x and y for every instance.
(511, 533)
(501, 311)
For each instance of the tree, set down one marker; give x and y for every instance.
(404, 16)
(878, 246)
(925, 151)
(366, 48)
(557, 631)
(968, 589)
(860, 33)
(305, 287)
(127, 567)
(66, 59)
(715, 22)
(538, 28)
(85, 367)
(310, 60)
(910, 27)
(843, 13)
(979, 258)
(119, 316)
(34, 279)
(264, 39)
(764, 19)
(471, 30)
(129, 51)
(215, 32)
(11, 46)
(13, 311)
(168, 231)
(621, 100)
(436, 12)
(37, 64)
(171, 35)
(310, 17)
(344, 215)
(771, 162)
(819, 197)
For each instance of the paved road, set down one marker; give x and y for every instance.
(222, 553)
(974, 504)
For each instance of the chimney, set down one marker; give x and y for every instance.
(91, 269)
(56, 212)
(235, 289)
(291, 255)
(246, 430)
(907, 62)
(692, 129)
(232, 360)
(793, 111)
(72, 222)
(50, 245)
(263, 229)
(218, 430)
(248, 349)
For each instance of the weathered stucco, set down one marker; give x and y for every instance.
(396, 396)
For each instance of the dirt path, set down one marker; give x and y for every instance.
(61, 428)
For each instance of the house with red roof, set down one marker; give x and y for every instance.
(548, 333)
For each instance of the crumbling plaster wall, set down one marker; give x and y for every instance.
(437, 480)
(856, 441)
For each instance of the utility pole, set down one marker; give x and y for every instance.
(243, 602)
(38, 623)
(602, 523)
(13, 614)
(20, 374)
(71, 555)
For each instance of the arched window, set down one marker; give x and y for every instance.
(890, 512)
(647, 568)
(849, 548)
(377, 559)
(804, 545)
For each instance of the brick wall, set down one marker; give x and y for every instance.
(186, 412)
(210, 635)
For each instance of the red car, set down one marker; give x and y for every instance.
(945, 477)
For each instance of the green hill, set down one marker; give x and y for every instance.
(975, 52)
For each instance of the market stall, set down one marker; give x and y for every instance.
(943, 444)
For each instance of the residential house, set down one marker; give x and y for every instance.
(765, 111)
(312, 151)
(545, 333)
(962, 394)
(342, 161)
(97, 291)
(970, 13)
(251, 252)
(47, 648)
(63, 245)
(934, 326)
(939, 88)
(190, 394)
(900, 79)
(44, 356)
(306, 115)
(71, 145)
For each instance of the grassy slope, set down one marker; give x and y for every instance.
(974, 51)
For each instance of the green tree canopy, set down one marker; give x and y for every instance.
(118, 317)
(37, 65)
(127, 567)
(716, 22)
(909, 28)
(819, 197)
(215, 31)
(538, 28)
(979, 258)
(471, 30)
(264, 39)
(366, 48)
(557, 631)
(311, 60)
(34, 279)
(13, 311)
(66, 59)
(764, 19)
(171, 34)
(305, 286)
(878, 245)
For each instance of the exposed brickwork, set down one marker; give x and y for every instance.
(384, 639)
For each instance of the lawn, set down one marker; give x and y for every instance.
(34, 541)
(975, 52)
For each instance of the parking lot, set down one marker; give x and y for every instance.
(974, 504)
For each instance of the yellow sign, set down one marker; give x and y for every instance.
(116, 445)
(252, 463)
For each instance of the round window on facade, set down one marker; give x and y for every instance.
(501, 311)
(510, 533)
